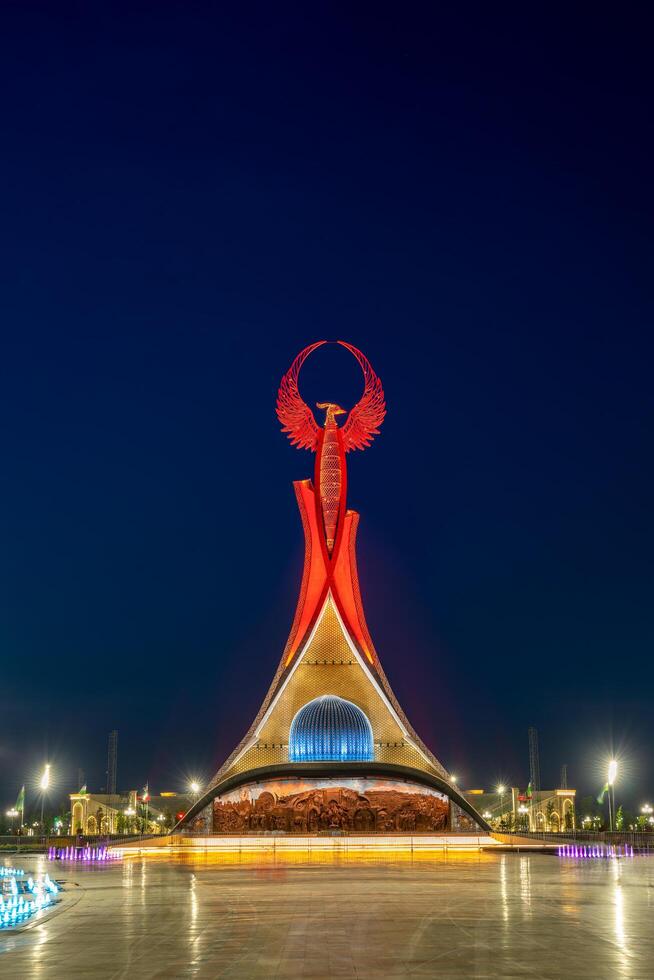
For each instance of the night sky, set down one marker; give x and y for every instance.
(190, 195)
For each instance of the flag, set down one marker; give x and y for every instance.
(529, 791)
(83, 789)
(146, 792)
(20, 802)
(600, 798)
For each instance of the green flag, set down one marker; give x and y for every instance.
(529, 792)
(20, 802)
(600, 798)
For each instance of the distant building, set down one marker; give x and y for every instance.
(124, 813)
(551, 810)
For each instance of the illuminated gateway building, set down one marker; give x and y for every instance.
(330, 749)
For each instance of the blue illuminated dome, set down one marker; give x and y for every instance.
(330, 729)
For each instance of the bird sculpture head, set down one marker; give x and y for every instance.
(332, 409)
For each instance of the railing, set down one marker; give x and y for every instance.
(42, 841)
(641, 840)
(594, 836)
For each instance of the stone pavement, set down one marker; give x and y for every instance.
(467, 915)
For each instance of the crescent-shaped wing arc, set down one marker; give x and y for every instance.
(363, 422)
(292, 411)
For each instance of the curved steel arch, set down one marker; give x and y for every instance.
(322, 770)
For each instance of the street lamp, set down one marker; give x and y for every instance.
(646, 808)
(12, 814)
(523, 810)
(501, 789)
(613, 772)
(146, 800)
(44, 784)
(194, 787)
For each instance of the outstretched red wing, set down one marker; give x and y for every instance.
(294, 413)
(368, 414)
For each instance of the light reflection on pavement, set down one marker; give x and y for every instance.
(467, 915)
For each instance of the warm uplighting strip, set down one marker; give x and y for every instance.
(337, 845)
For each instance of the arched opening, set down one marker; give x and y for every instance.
(78, 818)
(91, 825)
(555, 823)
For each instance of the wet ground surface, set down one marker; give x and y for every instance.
(466, 915)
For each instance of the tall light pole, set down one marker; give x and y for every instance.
(44, 784)
(501, 789)
(146, 800)
(613, 772)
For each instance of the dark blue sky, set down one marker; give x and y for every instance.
(190, 194)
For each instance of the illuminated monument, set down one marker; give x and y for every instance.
(331, 748)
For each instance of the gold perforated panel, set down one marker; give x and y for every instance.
(328, 666)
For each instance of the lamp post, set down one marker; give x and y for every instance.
(12, 814)
(613, 772)
(194, 787)
(44, 784)
(146, 800)
(501, 790)
(523, 811)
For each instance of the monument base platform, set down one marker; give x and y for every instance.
(281, 844)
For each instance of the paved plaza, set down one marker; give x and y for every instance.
(465, 915)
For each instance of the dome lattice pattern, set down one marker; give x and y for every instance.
(330, 729)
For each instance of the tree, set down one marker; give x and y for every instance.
(550, 810)
(629, 820)
(619, 818)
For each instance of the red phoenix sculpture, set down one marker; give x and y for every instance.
(330, 564)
